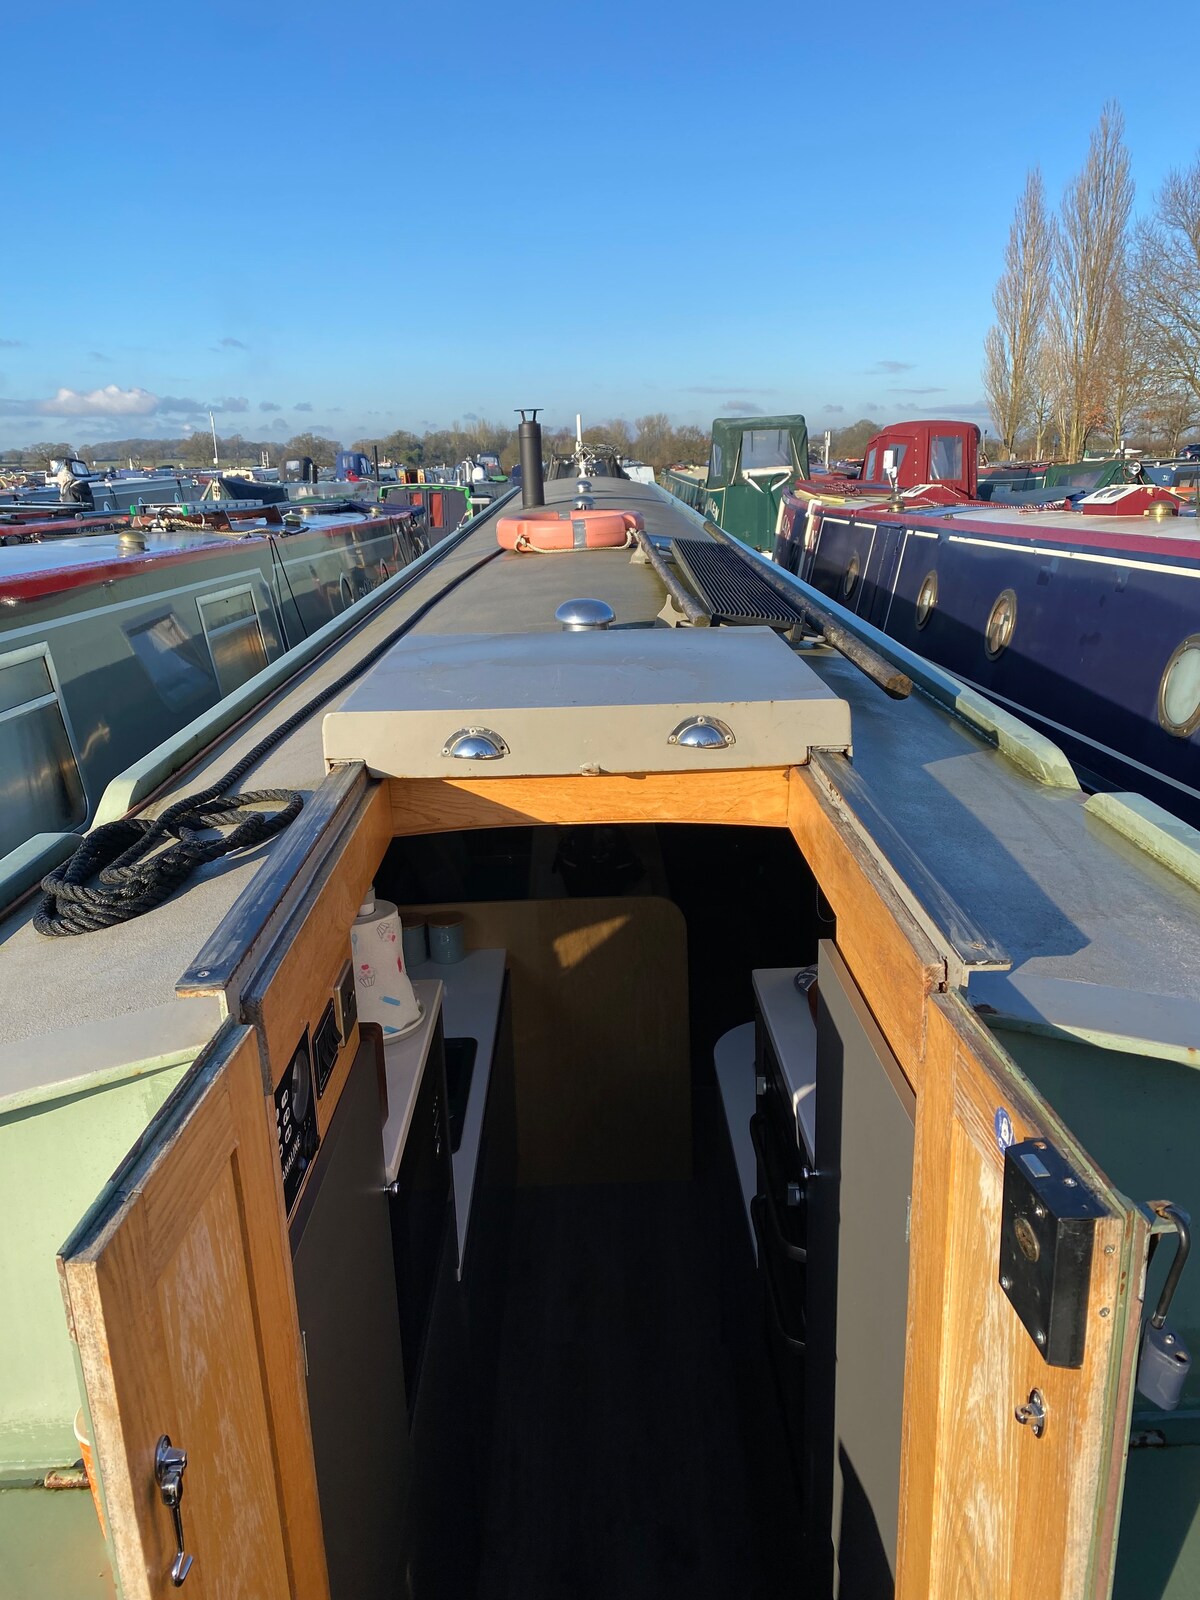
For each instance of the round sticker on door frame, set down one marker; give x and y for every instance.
(1002, 1123)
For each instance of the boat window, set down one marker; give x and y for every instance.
(850, 581)
(869, 468)
(1179, 691)
(1000, 624)
(173, 660)
(1079, 477)
(714, 462)
(764, 448)
(40, 787)
(946, 456)
(926, 598)
(234, 636)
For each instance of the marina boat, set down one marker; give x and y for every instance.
(752, 460)
(1082, 619)
(115, 637)
(777, 1187)
(1066, 479)
(105, 493)
(925, 463)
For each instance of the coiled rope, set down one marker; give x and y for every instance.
(123, 869)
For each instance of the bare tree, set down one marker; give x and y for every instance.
(1167, 279)
(1013, 344)
(1043, 398)
(1171, 411)
(1090, 266)
(1124, 364)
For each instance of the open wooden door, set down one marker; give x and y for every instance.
(178, 1285)
(989, 1506)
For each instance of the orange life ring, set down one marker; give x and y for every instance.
(548, 532)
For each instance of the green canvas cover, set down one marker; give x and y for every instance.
(741, 442)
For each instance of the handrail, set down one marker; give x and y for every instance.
(687, 603)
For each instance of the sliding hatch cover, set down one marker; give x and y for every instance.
(179, 1290)
(620, 700)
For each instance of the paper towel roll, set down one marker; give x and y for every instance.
(385, 994)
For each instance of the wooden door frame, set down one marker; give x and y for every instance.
(164, 1168)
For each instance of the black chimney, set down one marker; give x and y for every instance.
(529, 435)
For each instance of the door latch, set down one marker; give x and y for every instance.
(1165, 1361)
(170, 1464)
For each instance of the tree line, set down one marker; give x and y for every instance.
(653, 439)
(194, 450)
(1097, 333)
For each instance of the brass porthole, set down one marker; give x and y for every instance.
(926, 598)
(1179, 690)
(1000, 624)
(850, 580)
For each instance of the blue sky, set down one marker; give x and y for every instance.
(388, 216)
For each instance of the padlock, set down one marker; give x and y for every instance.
(1165, 1360)
(1163, 1367)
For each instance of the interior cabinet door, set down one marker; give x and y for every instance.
(865, 1132)
(179, 1288)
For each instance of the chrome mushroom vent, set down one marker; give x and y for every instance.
(584, 616)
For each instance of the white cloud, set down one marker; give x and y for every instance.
(110, 401)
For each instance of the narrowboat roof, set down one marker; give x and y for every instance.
(41, 567)
(1090, 923)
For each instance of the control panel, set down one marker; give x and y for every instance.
(296, 1120)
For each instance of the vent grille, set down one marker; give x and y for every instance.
(729, 586)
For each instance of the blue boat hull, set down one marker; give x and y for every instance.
(1095, 629)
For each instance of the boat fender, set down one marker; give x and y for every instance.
(551, 532)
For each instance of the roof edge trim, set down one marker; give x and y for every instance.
(1156, 831)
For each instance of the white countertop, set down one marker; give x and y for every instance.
(404, 1065)
(794, 1036)
(467, 993)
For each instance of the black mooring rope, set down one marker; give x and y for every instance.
(119, 872)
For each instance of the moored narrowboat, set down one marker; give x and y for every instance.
(1084, 621)
(752, 460)
(115, 637)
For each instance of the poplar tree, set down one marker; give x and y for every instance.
(1166, 282)
(1091, 261)
(1014, 343)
